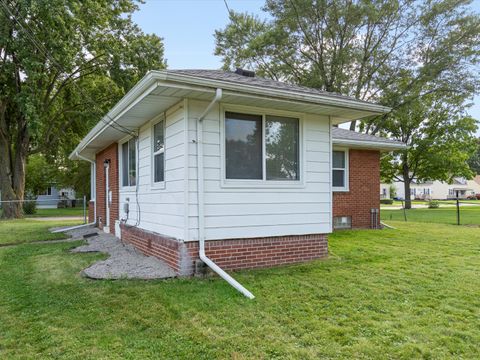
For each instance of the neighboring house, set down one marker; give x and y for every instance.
(52, 198)
(437, 190)
(252, 168)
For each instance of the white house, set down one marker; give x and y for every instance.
(437, 190)
(229, 167)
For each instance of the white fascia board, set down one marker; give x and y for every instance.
(382, 146)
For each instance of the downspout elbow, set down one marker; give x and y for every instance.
(200, 194)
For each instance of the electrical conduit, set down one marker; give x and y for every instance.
(200, 193)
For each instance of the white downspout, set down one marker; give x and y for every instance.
(200, 193)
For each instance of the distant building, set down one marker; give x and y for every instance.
(437, 190)
(53, 198)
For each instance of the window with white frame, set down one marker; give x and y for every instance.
(262, 147)
(129, 163)
(339, 170)
(159, 152)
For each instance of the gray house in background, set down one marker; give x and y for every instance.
(53, 198)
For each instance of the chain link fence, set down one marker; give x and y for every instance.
(455, 212)
(61, 207)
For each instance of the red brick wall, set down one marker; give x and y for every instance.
(110, 153)
(91, 211)
(364, 188)
(231, 254)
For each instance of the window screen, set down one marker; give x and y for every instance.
(243, 146)
(129, 163)
(158, 152)
(282, 148)
(339, 170)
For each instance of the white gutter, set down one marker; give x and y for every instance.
(200, 194)
(93, 185)
(394, 145)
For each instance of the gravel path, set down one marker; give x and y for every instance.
(125, 262)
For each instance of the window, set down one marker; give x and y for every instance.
(342, 222)
(158, 152)
(339, 170)
(245, 140)
(129, 163)
(48, 191)
(243, 146)
(281, 144)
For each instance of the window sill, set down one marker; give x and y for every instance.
(341, 190)
(261, 184)
(158, 186)
(127, 189)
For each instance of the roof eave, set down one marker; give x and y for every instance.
(280, 93)
(381, 146)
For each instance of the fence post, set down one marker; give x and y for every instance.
(458, 209)
(404, 212)
(84, 209)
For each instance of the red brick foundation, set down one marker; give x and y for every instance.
(233, 254)
(364, 188)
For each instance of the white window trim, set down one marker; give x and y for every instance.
(262, 183)
(129, 188)
(345, 188)
(159, 185)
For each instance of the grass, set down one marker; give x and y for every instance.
(58, 212)
(469, 215)
(77, 211)
(406, 293)
(28, 230)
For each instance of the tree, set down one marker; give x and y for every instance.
(62, 65)
(407, 55)
(474, 161)
(440, 139)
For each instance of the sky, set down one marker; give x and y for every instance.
(188, 26)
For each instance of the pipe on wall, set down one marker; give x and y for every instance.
(201, 214)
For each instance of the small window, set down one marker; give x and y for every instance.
(158, 152)
(339, 170)
(129, 163)
(243, 146)
(342, 222)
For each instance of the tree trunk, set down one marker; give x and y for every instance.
(12, 166)
(406, 183)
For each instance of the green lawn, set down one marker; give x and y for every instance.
(469, 215)
(402, 294)
(78, 211)
(28, 230)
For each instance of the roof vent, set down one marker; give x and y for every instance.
(244, 72)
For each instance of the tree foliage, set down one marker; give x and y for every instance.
(474, 161)
(420, 58)
(62, 65)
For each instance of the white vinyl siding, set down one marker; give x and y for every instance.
(162, 209)
(273, 208)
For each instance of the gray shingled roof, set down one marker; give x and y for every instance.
(258, 81)
(343, 134)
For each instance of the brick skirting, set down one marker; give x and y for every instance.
(231, 254)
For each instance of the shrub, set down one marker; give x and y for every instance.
(386, 201)
(478, 196)
(433, 204)
(29, 207)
